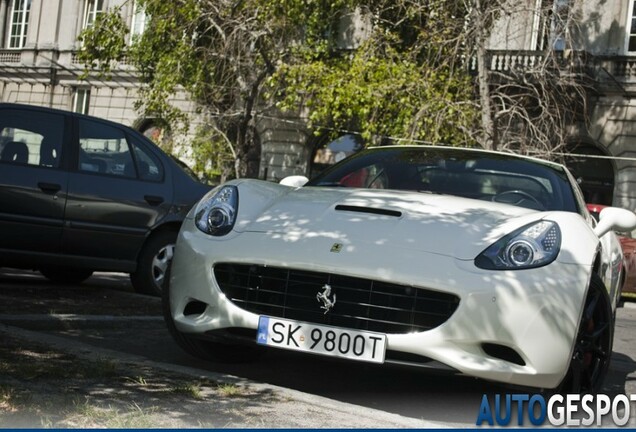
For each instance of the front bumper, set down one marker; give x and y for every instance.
(532, 312)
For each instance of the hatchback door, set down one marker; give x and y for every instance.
(118, 191)
(33, 182)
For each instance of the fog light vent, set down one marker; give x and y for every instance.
(195, 307)
(503, 353)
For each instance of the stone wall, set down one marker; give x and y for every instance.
(614, 129)
(283, 148)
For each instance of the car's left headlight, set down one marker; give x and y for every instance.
(216, 213)
(533, 245)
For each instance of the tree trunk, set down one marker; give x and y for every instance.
(488, 140)
(248, 145)
(487, 124)
(248, 151)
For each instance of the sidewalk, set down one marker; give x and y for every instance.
(53, 381)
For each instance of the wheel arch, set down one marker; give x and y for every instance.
(170, 226)
(596, 267)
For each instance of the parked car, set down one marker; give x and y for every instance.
(80, 194)
(478, 262)
(628, 245)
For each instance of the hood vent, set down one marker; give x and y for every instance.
(370, 210)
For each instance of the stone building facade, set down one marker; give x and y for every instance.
(604, 34)
(39, 65)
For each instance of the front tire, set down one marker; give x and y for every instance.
(154, 262)
(593, 345)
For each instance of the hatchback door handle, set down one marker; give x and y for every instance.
(153, 200)
(49, 187)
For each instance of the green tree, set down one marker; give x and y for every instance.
(219, 51)
(406, 78)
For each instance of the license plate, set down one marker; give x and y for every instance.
(320, 339)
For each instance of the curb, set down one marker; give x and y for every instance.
(318, 403)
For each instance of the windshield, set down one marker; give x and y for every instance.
(451, 171)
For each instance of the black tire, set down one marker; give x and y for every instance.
(593, 346)
(153, 263)
(205, 349)
(66, 275)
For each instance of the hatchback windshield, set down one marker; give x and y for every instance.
(466, 173)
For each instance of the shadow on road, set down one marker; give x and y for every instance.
(27, 292)
(410, 392)
(620, 374)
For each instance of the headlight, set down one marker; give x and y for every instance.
(216, 213)
(531, 246)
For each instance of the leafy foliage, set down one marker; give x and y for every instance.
(213, 159)
(405, 80)
(381, 96)
(105, 42)
(239, 59)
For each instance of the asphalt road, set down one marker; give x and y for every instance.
(416, 393)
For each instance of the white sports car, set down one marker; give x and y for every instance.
(484, 263)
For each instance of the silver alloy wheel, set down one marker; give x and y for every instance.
(160, 264)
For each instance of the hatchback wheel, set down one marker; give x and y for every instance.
(68, 275)
(593, 347)
(154, 261)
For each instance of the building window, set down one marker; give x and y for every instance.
(631, 28)
(550, 25)
(541, 24)
(560, 24)
(138, 24)
(92, 8)
(19, 20)
(81, 99)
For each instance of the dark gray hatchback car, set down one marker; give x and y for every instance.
(79, 194)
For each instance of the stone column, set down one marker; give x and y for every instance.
(3, 21)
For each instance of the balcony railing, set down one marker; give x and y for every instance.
(503, 61)
(121, 64)
(623, 67)
(509, 60)
(10, 56)
(611, 73)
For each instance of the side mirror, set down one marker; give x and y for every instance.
(294, 181)
(615, 219)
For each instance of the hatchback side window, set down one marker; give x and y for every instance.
(148, 165)
(31, 138)
(104, 150)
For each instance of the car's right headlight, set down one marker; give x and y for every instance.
(216, 213)
(533, 245)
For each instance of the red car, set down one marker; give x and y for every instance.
(629, 251)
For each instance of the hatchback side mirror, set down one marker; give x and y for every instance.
(294, 181)
(615, 219)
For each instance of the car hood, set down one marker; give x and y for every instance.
(440, 224)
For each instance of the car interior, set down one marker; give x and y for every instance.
(16, 152)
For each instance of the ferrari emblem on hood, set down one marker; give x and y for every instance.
(336, 248)
(323, 296)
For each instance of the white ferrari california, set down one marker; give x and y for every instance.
(483, 263)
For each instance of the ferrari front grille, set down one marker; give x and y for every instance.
(342, 301)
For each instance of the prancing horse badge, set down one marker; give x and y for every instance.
(324, 297)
